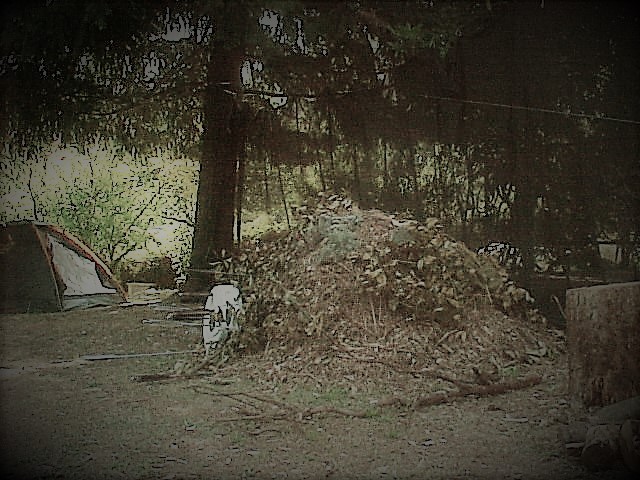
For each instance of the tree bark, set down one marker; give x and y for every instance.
(356, 189)
(222, 144)
(523, 156)
(240, 178)
(603, 341)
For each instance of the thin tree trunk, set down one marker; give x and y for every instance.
(356, 191)
(298, 140)
(385, 195)
(284, 196)
(323, 182)
(416, 200)
(460, 140)
(267, 192)
(332, 146)
(242, 159)
(34, 201)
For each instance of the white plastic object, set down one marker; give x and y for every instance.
(225, 304)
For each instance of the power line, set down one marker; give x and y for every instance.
(536, 109)
(311, 96)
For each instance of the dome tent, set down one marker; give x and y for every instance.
(46, 269)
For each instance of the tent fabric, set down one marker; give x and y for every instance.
(45, 269)
(78, 273)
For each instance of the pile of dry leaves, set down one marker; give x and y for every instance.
(354, 294)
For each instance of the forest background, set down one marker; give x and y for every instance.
(182, 127)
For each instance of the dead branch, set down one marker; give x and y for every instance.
(461, 384)
(289, 411)
(197, 368)
(329, 409)
(117, 356)
(267, 400)
(185, 221)
(164, 377)
(276, 416)
(260, 431)
(479, 390)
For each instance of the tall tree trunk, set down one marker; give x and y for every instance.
(462, 143)
(222, 143)
(523, 155)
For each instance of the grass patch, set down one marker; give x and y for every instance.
(238, 437)
(331, 396)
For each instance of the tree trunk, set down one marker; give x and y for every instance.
(464, 197)
(356, 190)
(323, 182)
(416, 194)
(222, 143)
(331, 147)
(523, 174)
(242, 161)
(603, 342)
(265, 180)
(284, 196)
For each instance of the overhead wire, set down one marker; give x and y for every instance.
(551, 111)
(536, 109)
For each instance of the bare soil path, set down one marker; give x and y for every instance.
(66, 417)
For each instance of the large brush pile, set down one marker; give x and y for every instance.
(352, 288)
(342, 255)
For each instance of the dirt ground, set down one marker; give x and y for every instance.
(66, 416)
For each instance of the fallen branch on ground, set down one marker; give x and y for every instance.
(479, 390)
(293, 412)
(118, 356)
(287, 410)
(461, 384)
(309, 412)
(163, 377)
(279, 416)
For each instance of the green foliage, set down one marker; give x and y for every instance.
(409, 37)
(115, 203)
(112, 216)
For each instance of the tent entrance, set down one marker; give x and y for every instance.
(78, 274)
(45, 269)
